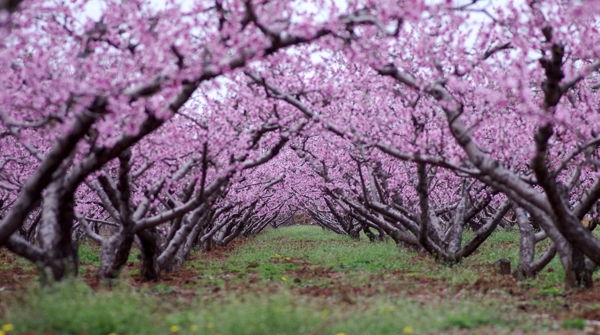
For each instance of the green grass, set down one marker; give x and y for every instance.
(285, 314)
(323, 249)
(404, 291)
(318, 248)
(576, 323)
(89, 254)
(73, 308)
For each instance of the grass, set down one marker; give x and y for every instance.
(303, 280)
(576, 323)
(342, 254)
(73, 308)
(323, 249)
(89, 254)
(286, 314)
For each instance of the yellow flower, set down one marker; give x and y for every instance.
(278, 255)
(112, 334)
(8, 327)
(174, 329)
(210, 325)
(288, 259)
(340, 334)
(391, 308)
(193, 328)
(2, 332)
(283, 278)
(408, 330)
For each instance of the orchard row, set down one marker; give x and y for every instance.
(181, 126)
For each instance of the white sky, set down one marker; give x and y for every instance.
(94, 8)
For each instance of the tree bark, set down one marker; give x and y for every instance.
(61, 260)
(149, 250)
(527, 246)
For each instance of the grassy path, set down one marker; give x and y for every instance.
(303, 280)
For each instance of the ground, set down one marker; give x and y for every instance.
(303, 280)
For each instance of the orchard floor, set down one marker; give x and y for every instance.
(303, 280)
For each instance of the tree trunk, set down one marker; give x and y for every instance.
(184, 252)
(150, 250)
(61, 259)
(114, 255)
(179, 238)
(577, 275)
(527, 247)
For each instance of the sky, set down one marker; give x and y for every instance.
(94, 7)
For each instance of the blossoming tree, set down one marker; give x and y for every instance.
(183, 126)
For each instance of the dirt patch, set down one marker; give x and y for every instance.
(218, 253)
(487, 283)
(14, 273)
(583, 296)
(314, 272)
(297, 262)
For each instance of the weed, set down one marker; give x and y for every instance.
(73, 308)
(576, 323)
(163, 289)
(89, 254)
(552, 292)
